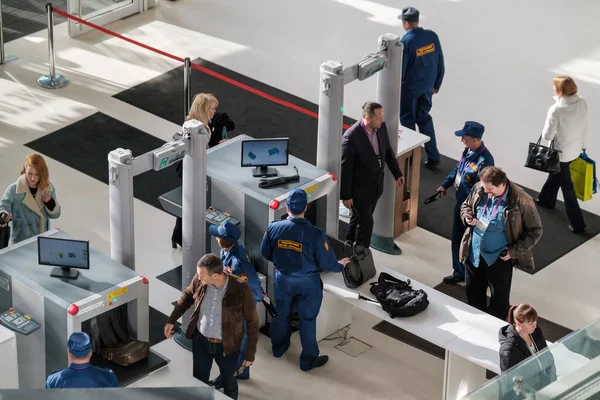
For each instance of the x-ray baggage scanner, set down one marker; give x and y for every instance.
(64, 306)
(233, 189)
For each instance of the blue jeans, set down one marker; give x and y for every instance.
(203, 353)
(305, 292)
(414, 110)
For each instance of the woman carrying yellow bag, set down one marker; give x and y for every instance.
(566, 124)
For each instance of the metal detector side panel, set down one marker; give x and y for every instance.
(55, 326)
(31, 349)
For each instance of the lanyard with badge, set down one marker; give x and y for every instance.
(462, 164)
(483, 222)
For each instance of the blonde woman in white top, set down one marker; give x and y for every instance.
(566, 124)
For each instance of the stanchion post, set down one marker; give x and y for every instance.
(187, 87)
(51, 81)
(3, 57)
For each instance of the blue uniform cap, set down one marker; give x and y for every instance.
(79, 344)
(471, 129)
(227, 231)
(409, 14)
(296, 201)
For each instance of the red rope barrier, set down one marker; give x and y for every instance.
(196, 66)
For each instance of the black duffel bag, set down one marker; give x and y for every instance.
(397, 297)
(361, 267)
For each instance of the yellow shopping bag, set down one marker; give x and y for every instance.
(582, 174)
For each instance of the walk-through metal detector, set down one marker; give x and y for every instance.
(387, 64)
(189, 146)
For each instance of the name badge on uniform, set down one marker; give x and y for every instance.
(457, 180)
(482, 225)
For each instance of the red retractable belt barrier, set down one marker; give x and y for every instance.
(196, 66)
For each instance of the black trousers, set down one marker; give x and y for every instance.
(203, 354)
(498, 277)
(361, 223)
(177, 231)
(562, 180)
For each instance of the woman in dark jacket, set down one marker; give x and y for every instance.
(521, 339)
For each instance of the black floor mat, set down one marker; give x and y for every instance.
(437, 217)
(157, 325)
(84, 146)
(21, 18)
(172, 278)
(253, 115)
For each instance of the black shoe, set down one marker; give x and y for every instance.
(321, 360)
(432, 164)
(539, 203)
(173, 243)
(576, 230)
(452, 280)
(217, 383)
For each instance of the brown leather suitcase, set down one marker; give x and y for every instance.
(126, 353)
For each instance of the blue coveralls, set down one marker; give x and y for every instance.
(299, 252)
(468, 168)
(422, 72)
(82, 376)
(236, 261)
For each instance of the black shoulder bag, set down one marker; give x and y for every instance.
(542, 158)
(361, 267)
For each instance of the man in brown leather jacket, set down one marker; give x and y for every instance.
(503, 225)
(221, 302)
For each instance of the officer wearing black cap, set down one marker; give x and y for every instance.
(235, 261)
(422, 75)
(474, 158)
(299, 251)
(81, 374)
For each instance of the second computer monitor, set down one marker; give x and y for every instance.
(264, 153)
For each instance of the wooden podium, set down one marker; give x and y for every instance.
(407, 196)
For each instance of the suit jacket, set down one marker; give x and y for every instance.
(362, 176)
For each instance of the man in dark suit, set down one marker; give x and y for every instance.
(365, 150)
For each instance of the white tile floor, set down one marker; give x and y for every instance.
(493, 76)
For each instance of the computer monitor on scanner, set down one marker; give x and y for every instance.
(265, 153)
(64, 254)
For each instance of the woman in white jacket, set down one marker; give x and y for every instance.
(566, 124)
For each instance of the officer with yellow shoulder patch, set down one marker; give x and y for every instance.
(81, 374)
(463, 177)
(422, 75)
(299, 251)
(236, 262)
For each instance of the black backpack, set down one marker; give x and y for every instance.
(397, 297)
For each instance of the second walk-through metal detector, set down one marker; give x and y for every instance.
(189, 146)
(387, 64)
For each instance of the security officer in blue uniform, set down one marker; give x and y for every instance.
(474, 158)
(299, 251)
(81, 374)
(422, 75)
(236, 261)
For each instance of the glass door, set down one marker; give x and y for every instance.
(99, 12)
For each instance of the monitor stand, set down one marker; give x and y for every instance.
(64, 273)
(264, 172)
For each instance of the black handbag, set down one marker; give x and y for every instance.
(4, 231)
(542, 158)
(361, 267)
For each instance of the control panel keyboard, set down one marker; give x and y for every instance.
(20, 323)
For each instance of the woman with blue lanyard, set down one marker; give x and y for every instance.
(503, 225)
(474, 158)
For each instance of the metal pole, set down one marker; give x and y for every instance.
(187, 87)
(329, 133)
(51, 81)
(388, 95)
(3, 57)
(193, 210)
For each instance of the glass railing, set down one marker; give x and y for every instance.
(568, 369)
